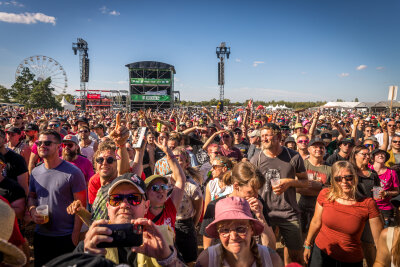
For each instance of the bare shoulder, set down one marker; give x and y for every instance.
(202, 260)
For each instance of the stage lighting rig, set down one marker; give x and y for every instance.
(222, 52)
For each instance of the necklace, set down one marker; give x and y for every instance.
(159, 207)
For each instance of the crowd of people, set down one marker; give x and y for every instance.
(242, 187)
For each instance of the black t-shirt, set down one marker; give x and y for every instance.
(333, 158)
(365, 184)
(209, 215)
(11, 190)
(16, 165)
(158, 154)
(243, 147)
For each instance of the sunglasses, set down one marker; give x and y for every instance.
(369, 145)
(109, 160)
(303, 141)
(395, 142)
(364, 154)
(240, 230)
(133, 199)
(46, 143)
(237, 133)
(69, 145)
(217, 166)
(83, 131)
(348, 178)
(158, 187)
(226, 136)
(54, 125)
(391, 125)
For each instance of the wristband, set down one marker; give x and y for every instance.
(171, 258)
(307, 247)
(31, 208)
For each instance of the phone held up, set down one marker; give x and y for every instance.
(124, 235)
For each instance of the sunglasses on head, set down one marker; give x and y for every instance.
(133, 199)
(69, 145)
(46, 143)
(158, 187)
(348, 178)
(109, 160)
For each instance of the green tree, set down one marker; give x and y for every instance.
(42, 96)
(22, 88)
(33, 93)
(4, 94)
(356, 99)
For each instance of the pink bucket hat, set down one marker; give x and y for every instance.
(233, 208)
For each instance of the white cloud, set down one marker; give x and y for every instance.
(380, 68)
(114, 13)
(361, 67)
(268, 93)
(344, 74)
(11, 3)
(105, 10)
(27, 18)
(122, 82)
(256, 63)
(238, 60)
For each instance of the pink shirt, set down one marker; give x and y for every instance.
(86, 167)
(389, 181)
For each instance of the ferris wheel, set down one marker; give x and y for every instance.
(44, 67)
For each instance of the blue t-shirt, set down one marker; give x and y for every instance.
(55, 188)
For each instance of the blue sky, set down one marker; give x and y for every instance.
(295, 50)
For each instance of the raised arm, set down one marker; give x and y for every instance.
(211, 138)
(219, 127)
(313, 125)
(177, 173)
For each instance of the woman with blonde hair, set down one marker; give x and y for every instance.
(337, 241)
(235, 227)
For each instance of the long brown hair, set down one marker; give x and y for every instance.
(353, 154)
(336, 191)
(192, 172)
(244, 173)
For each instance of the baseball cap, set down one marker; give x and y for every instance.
(154, 177)
(14, 130)
(326, 135)
(129, 178)
(71, 138)
(346, 141)
(316, 141)
(255, 133)
(99, 126)
(289, 139)
(237, 129)
(32, 127)
(372, 138)
(211, 125)
(298, 125)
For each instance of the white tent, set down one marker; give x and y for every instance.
(66, 105)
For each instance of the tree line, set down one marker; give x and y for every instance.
(227, 102)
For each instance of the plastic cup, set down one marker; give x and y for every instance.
(275, 182)
(43, 210)
(310, 176)
(375, 191)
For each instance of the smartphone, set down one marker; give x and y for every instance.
(124, 235)
(141, 134)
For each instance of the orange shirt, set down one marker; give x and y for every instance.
(342, 226)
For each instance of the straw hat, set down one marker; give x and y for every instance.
(11, 254)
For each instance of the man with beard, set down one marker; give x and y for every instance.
(274, 160)
(55, 183)
(88, 146)
(70, 146)
(31, 132)
(15, 142)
